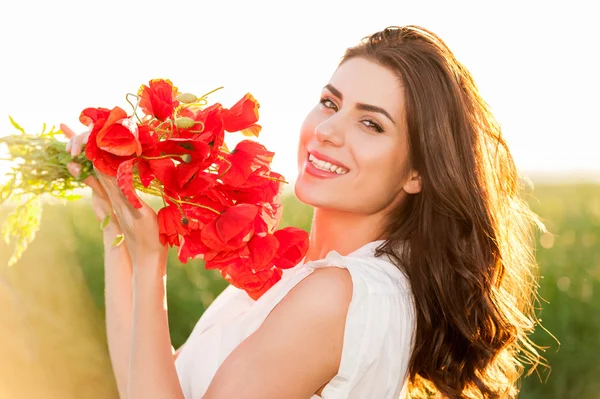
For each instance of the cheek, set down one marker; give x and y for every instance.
(382, 174)
(306, 134)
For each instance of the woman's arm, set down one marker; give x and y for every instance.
(297, 349)
(118, 272)
(152, 368)
(118, 302)
(149, 369)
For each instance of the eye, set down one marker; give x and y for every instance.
(325, 102)
(373, 126)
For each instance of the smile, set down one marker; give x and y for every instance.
(326, 166)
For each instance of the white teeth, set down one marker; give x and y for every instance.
(327, 166)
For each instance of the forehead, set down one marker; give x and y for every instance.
(363, 81)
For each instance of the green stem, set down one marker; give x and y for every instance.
(192, 203)
(211, 92)
(228, 166)
(135, 107)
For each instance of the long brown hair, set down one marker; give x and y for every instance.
(467, 236)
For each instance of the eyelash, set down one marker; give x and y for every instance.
(375, 126)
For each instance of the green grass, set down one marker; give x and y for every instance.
(53, 341)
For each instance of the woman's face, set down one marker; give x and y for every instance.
(357, 132)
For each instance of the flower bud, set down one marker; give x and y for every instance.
(187, 98)
(183, 122)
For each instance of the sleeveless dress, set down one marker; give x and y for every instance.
(378, 335)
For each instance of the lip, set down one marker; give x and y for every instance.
(325, 158)
(311, 170)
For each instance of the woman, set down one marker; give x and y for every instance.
(420, 273)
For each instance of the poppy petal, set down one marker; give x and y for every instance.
(293, 245)
(242, 115)
(125, 182)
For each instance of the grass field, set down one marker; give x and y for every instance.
(53, 343)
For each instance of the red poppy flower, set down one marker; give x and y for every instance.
(293, 245)
(161, 169)
(261, 282)
(255, 284)
(262, 251)
(208, 129)
(248, 157)
(232, 229)
(90, 116)
(170, 225)
(242, 117)
(146, 175)
(238, 259)
(158, 98)
(119, 135)
(175, 162)
(258, 187)
(192, 247)
(110, 143)
(205, 210)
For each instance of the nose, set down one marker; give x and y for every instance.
(330, 130)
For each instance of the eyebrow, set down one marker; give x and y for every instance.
(361, 106)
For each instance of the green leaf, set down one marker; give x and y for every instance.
(16, 125)
(118, 240)
(105, 222)
(21, 225)
(6, 190)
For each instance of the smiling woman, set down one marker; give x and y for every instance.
(419, 275)
(416, 197)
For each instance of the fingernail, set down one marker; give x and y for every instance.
(74, 168)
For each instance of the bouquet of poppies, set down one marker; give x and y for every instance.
(220, 205)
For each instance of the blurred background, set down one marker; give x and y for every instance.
(535, 63)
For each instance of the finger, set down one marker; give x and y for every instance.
(109, 185)
(67, 131)
(101, 207)
(74, 168)
(76, 146)
(96, 186)
(118, 199)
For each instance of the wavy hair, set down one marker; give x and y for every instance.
(468, 236)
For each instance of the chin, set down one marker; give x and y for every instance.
(300, 192)
(306, 194)
(310, 195)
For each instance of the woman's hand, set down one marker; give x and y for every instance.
(138, 225)
(100, 201)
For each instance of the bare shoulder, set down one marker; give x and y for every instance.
(318, 303)
(324, 292)
(300, 342)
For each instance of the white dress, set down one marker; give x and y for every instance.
(378, 336)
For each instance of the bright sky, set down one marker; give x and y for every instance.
(536, 62)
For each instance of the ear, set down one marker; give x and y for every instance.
(414, 183)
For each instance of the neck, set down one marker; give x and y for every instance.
(341, 231)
